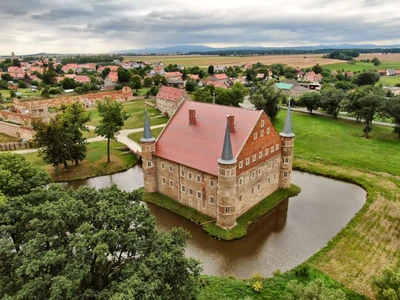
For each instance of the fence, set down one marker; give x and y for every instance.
(15, 146)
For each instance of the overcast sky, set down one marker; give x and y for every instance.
(98, 26)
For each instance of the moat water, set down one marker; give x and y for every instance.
(282, 239)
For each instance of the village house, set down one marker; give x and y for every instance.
(218, 160)
(219, 77)
(220, 68)
(217, 84)
(291, 88)
(112, 68)
(69, 67)
(260, 76)
(390, 72)
(111, 80)
(16, 72)
(169, 98)
(312, 77)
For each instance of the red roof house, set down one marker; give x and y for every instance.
(169, 98)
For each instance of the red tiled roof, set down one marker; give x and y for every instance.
(15, 70)
(221, 76)
(194, 77)
(260, 75)
(113, 76)
(172, 74)
(70, 75)
(69, 66)
(37, 69)
(217, 84)
(199, 146)
(112, 68)
(169, 93)
(82, 78)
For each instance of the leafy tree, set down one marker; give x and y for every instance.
(7, 77)
(392, 109)
(58, 68)
(19, 177)
(105, 72)
(70, 71)
(16, 62)
(268, 99)
(12, 94)
(124, 75)
(331, 100)
(147, 82)
(311, 101)
(366, 78)
(136, 82)
(154, 90)
(74, 119)
(387, 286)
(317, 69)
(22, 85)
(370, 109)
(315, 290)
(201, 74)
(90, 244)
(353, 104)
(49, 76)
(113, 118)
(376, 61)
(289, 72)
(35, 82)
(190, 85)
(3, 85)
(68, 83)
(210, 70)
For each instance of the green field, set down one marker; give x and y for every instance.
(136, 136)
(25, 93)
(136, 120)
(389, 80)
(362, 66)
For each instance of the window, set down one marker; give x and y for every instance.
(272, 149)
(277, 147)
(190, 175)
(247, 161)
(171, 183)
(212, 182)
(190, 201)
(260, 155)
(240, 198)
(198, 178)
(240, 164)
(286, 160)
(276, 162)
(255, 135)
(149, 164)
(270, 165)
(262, 133)
(183, 173)
(199, 194)
(227, 172)
(190, 191)
(171, 168)
(240, 181)
(252, 190)
(162, 165)
(269, 179)
(285, 174)
(183, 189)
(268, 130)
(253, 175)
(259, 171)
(266, 152)
(164, 181)
(258, 186)
(254, 158)
(212, 200)
(262, 123)
(227, 210)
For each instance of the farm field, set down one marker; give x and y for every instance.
(389, 80)
(24, 92)
(203, 61)
(360, 66)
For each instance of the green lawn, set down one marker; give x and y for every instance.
(136, 120)
(25, 93)
(361, 66)
(341, 142)
(136, 136)
(389, 80)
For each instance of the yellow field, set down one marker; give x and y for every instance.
(395, 57)
(203, 61)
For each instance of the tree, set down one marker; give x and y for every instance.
(266, 98)
(19, 177)
(12, 94)
(366, 78)
(113, 118)
(147, 82)
(190, 85)
(370, 109)
(90, 244)
(16, 62)
(317, 69)
(210, 70)
(290, 72)
(58, 68)
(124, 75)
(331, 100)
(105, 72)
(314, 290)
(376, 61)
(68, 83)
(204, 94)
(392, 109)
(311, 101)
(22, 85)
(7, 77)
(387, 286)
(136, 82)
(49, 76)
(353, 104)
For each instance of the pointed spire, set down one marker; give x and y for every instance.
(227, 155)
(287, 129)
(147, 136)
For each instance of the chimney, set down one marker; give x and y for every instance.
(231, 122)
(192, 116)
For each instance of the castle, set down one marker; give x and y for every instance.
(217, 159)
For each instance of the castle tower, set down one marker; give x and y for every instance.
(226, 205)
(287, 138)
(148, 143)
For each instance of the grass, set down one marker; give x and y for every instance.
(361, 66)
(243, 222)
(4, 138)
(136, 120)
(389, 80)
(136, 136)
(95, 163)
(25, 93)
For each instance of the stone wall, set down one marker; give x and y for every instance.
(87, 100)
(15, 118)
(21, 132)
(15, 146)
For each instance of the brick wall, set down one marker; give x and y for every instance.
(15, 118)
(22, 132)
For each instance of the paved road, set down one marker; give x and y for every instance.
(122, 137)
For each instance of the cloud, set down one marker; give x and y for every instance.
(105, 25)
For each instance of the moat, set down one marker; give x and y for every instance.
(282, 239)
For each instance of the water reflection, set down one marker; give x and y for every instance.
(282, 239)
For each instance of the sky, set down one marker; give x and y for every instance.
(101, 26)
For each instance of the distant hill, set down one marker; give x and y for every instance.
(202, 48)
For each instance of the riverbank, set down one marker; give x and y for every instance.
(208, 224)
